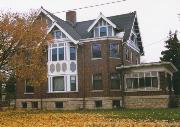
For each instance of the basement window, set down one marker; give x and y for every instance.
(24, 104)
(34, 104)
(59, 104)
(116, 103)
(98, 104)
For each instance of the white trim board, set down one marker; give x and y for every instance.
(99, 17)
(62, 30)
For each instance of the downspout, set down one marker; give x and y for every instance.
(122, 77)
(84, 93)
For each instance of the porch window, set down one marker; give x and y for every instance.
(115, 81)
(97, 82)
(142, 81)
(96, 50)
(58, 83)
(114, 50)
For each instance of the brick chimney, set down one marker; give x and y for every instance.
(71, 17)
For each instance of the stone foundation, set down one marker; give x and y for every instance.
(160, 101)
(69, 103)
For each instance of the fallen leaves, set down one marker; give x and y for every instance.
(73, 119)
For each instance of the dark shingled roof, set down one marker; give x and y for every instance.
(79, 30)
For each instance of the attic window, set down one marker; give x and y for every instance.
(103, 29)
(57, 34)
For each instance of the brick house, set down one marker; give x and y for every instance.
(96, 64)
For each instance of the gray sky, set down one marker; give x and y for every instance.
(156, 17)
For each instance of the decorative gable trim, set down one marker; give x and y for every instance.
(60, 28)
(99, 17)
(44, 12)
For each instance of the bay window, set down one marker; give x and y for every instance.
(61, 51)
(58, 83)
(72, 53)
(73, 83)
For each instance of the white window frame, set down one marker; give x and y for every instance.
(145, 88)
(61, 37)
(100, 25)
(67, 85)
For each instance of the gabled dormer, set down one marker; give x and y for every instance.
(102, 27)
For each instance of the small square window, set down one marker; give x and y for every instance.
(24, 104)
(59, 104)
(98, 104)
(116, 103)
(35, 104)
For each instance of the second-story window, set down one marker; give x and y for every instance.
(72, 53)
(114, 50)
(61, 53)
(127, 54)
(96, 50)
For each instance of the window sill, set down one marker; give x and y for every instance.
(63, 92)
(141, 90)
(28, 93)
(96, 58)
(115, 90)
(114, 57)
(97, 90)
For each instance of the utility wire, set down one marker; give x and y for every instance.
(148, 45)
(91, 6)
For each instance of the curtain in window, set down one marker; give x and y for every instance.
(58, 83)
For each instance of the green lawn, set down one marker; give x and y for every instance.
(170, 114)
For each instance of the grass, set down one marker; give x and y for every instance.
(125, 117)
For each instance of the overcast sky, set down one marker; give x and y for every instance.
(156, 17)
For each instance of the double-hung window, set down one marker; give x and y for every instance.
(58, 83)
(96, 50)
(115, 81)
(73, 83)
(29, 88)
(72, 53)
(97, 82)
(57, 52)
(114, 50)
